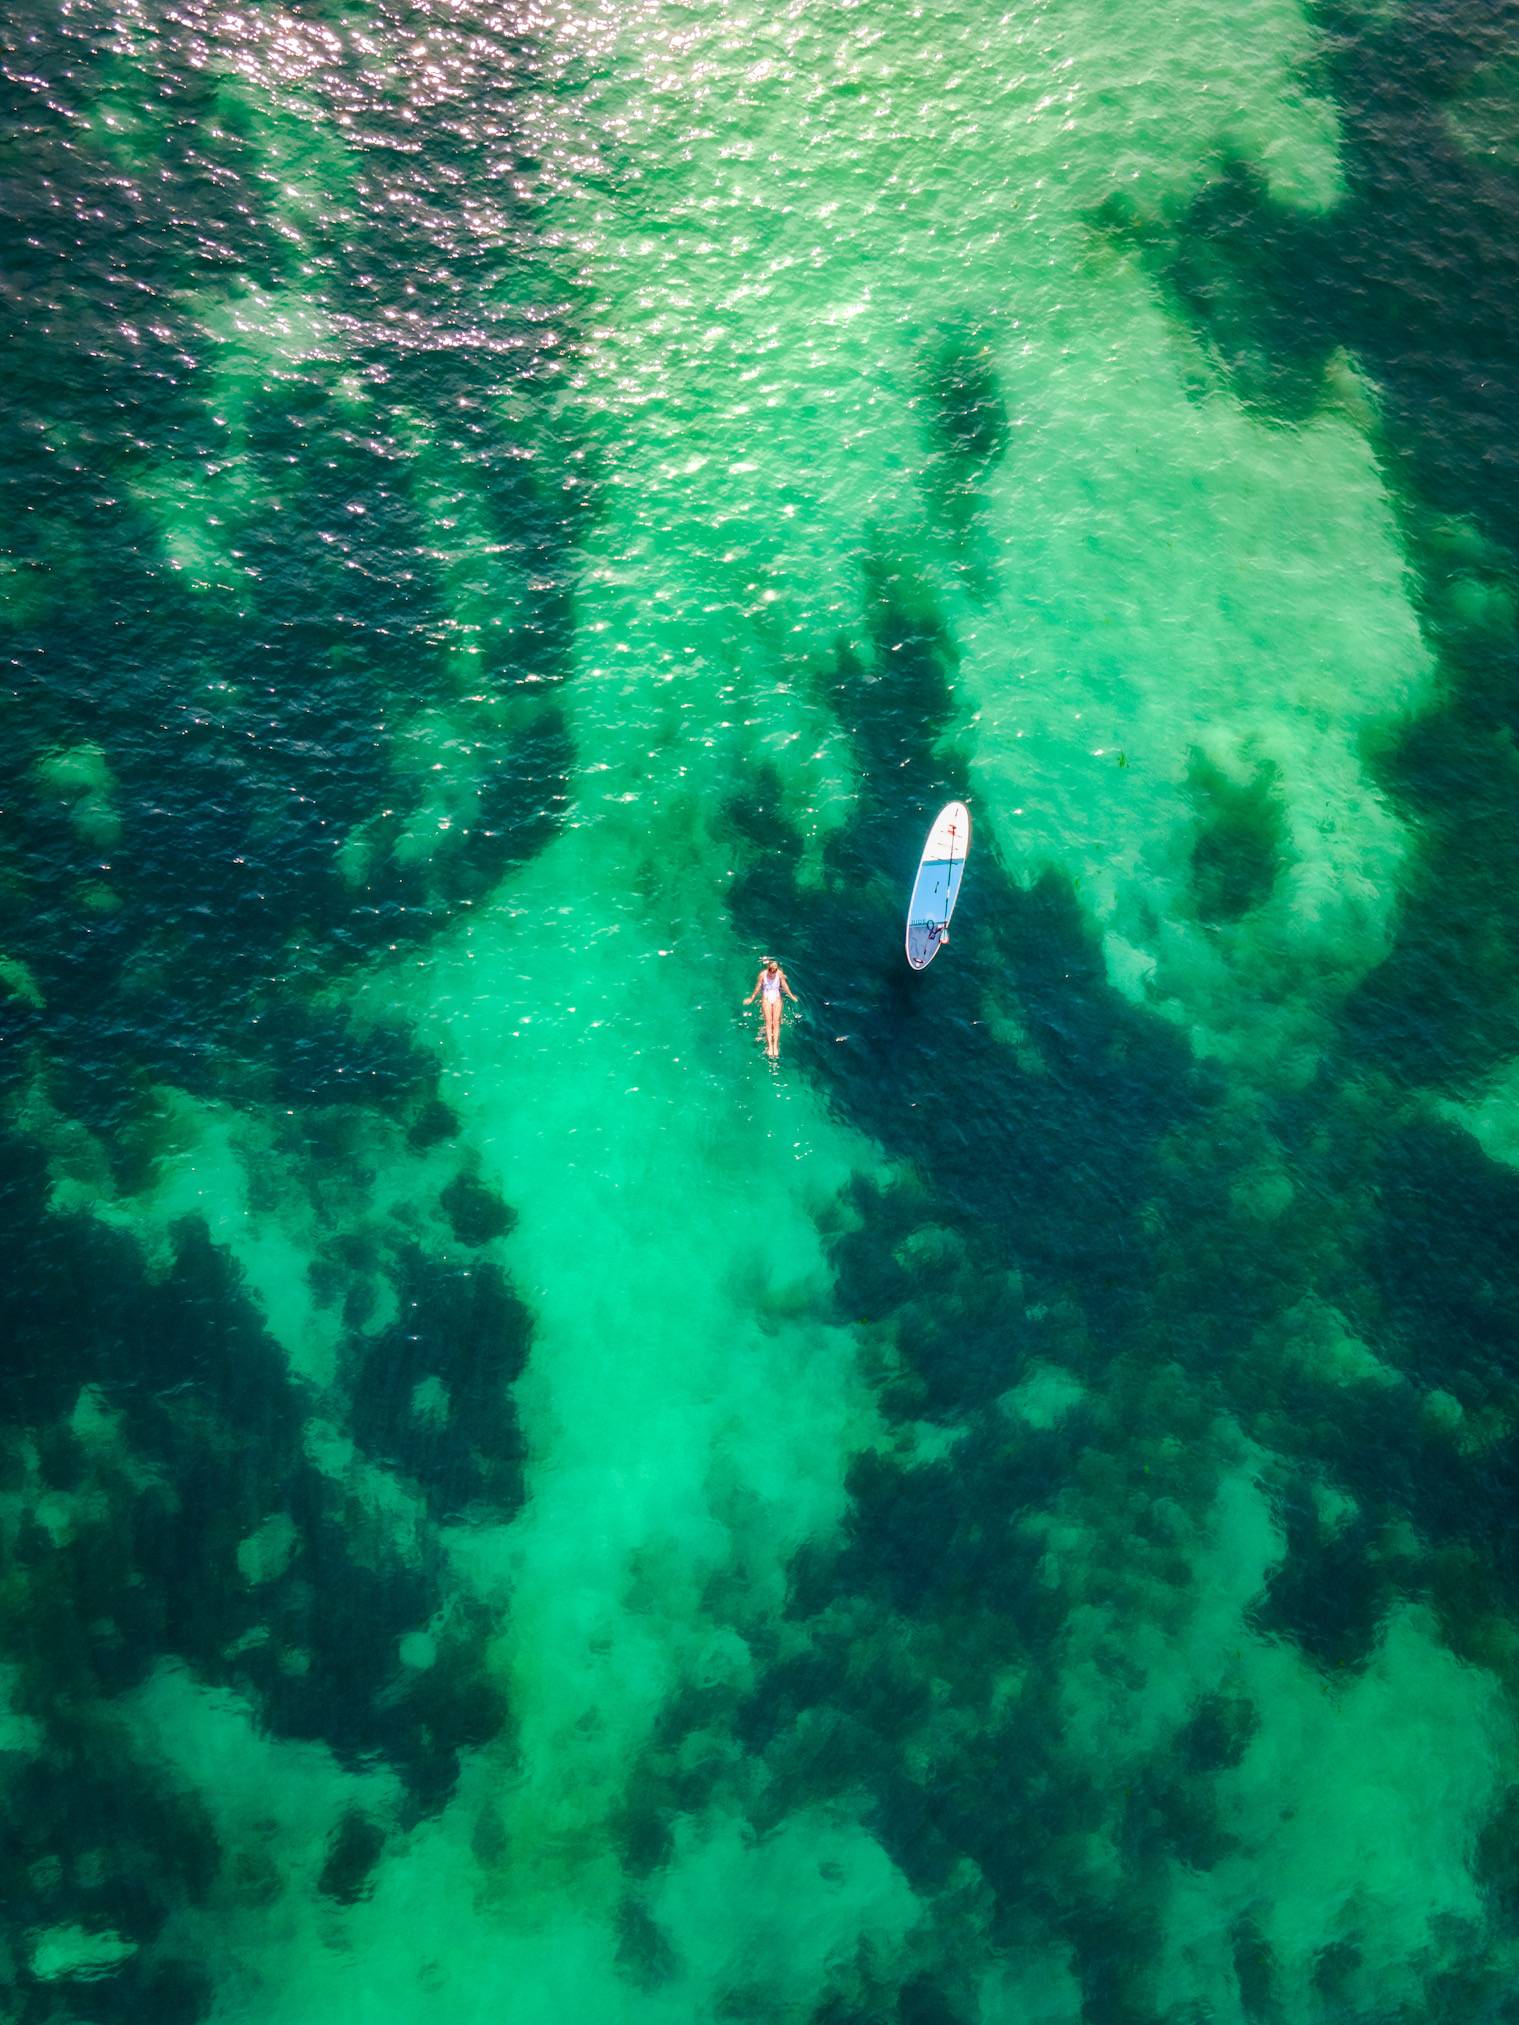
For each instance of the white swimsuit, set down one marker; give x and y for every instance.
(772, 985)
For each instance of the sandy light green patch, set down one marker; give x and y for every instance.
(276, 1807)
(737, 1922)
(1210, 617)
(767, 282)
(689, 1413)
(1348, 1820)
(1491, 1114)
(1361, 1804)
(80, 776)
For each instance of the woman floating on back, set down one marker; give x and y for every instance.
(768, 987)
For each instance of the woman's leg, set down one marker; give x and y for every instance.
(772, 1026)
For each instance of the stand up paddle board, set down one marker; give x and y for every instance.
(937, 885)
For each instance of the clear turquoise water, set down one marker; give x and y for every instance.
(514, 1508)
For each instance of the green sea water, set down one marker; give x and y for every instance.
(515, 1507)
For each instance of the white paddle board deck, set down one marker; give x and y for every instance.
(937, 885)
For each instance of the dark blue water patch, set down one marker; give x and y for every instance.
(221, 861)
(838, 1715)
(948, 1287)
(433, 1122)
(646, 1957)
(870, 1999)
(923, 2000)
(1440, 1009)
(1238, 852)
(1331, 1590)
(317, 1059)
(523, 799)
(1498, 1860)
(1390, 1225)
(91, 1797)
(1416, 272)
(1116, 1946)
(937, 1534)
(170, 1992)
(966, 431)
(967, 406)
(210, 1414)
(1236, 270)
(463, 1334)
(1448, 1261)
(249, 725)
(476, 1214)
(90, 1835)
(353, 1850)
(1218, 1733)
